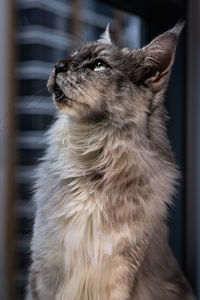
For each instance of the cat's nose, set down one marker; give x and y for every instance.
(60, 67)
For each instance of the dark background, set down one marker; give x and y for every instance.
(47, 31)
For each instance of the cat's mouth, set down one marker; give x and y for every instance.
(60, 95)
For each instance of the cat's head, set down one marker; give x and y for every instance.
(101, 81)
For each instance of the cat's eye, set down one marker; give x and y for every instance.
(99, 65)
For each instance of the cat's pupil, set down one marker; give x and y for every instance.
(99, 65)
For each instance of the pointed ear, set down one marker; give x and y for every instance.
(159, 57)
(105, 37)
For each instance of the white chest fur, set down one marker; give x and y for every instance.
(84, 249)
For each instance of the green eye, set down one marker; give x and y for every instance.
(99, 66)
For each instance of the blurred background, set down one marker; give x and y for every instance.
(35, 34)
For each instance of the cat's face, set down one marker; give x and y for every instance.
(97, 82)
(103, 82)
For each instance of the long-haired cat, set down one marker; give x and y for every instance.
(106, 180)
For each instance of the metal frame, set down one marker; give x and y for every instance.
(193, 146)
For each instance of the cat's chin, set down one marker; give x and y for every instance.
(67, 106)
(63, 105)
(78, 111)
(63, 100)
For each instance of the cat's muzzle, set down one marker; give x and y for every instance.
(59, 94)
(56, 90)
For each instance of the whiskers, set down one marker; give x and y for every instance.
(84, 93)
(60, 97)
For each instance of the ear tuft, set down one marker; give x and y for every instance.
(177, 29)
(105, 37)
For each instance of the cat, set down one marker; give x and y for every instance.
(107, 178)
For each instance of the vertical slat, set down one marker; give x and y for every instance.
(118, 26)
(76, 20)
(3, 152)
(11, 155)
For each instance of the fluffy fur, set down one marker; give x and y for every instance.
(106, 179)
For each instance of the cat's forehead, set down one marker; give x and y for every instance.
(108, 52)
(95, 50)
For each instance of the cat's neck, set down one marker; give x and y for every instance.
(84, 146)
(86, 141)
